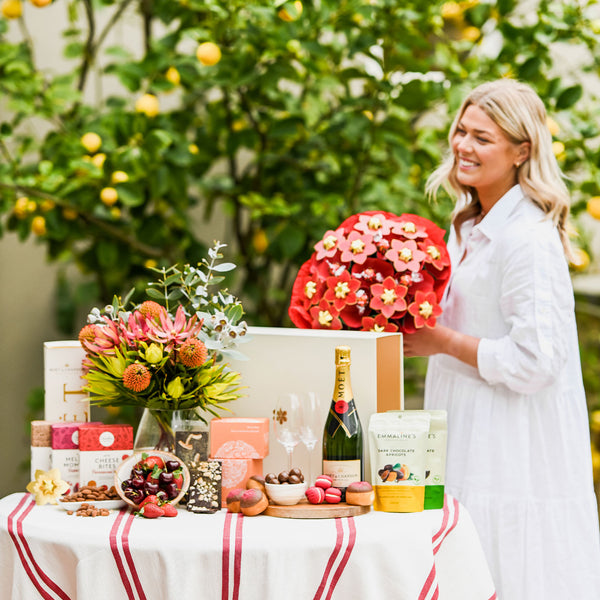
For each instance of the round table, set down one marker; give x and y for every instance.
(47, 553)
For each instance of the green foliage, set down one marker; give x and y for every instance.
(340, 108)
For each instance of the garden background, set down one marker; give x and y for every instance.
(294, 116)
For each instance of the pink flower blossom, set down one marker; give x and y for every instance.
(376, 225)
(378, 324)
(425, 309)
(388, 297)
(409, 229)
(341, 290)
(325, 316)
(405, 255)
(329, 245)
(173, 333)
(357, 247)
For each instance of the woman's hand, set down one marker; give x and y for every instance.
(441, 340)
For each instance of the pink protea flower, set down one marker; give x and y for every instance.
(325, 316)
(151, 310)
(357, 247)
(135, 330)
(388, 297)
(425, 309)
(377, 324)
(106, 339)
(405, 255)
(193, 353)
(329, 245)
(136, 377)
(173, 333)
(341, 290)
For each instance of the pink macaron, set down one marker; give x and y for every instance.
(333, 495)
(323, 481)
(315, 495)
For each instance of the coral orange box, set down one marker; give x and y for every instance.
(235, 473)
(239, 437)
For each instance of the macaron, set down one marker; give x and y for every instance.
(315, 495)
(256, 481)
(233, 500)
(253, 502)
(323, 481)
(333, 495)
(360, 493)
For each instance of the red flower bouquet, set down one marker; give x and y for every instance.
(376, 272)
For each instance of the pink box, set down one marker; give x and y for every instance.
(41, 446)
(65, 452)
(101, 449)
(235, 473)
(239, 437)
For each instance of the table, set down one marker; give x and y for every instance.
(46, 553)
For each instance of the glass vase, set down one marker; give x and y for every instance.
(168, 430)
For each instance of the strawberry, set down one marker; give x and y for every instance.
(149, 462)
(178, 478)
(151, 511)
(151, 499)
(169, 509)
(154, 475)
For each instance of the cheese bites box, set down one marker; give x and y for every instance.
(64, 398)
(101, 449)
(239, 437)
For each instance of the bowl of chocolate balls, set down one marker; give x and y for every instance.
(287, 488)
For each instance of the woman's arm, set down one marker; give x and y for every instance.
(442, 340)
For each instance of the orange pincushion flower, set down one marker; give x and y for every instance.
(136, 377)
(87, 333)
(193, 353)
(151, 310)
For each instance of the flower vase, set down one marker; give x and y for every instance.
(160, 429)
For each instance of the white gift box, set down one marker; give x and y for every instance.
(283, 360)
(64, 398)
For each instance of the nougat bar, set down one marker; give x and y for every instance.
(204, 493)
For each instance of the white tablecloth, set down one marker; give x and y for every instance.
(44, 552)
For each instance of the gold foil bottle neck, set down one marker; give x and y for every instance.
(342, 355)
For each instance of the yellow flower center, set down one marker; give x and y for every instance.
(425, 310)
(433, 252)
(329, 242)
(409, 227)
(405, 254)
(389, 296)
(374, 223)
(342, 289)
(357, 246)
(325, 318)
(310, 289)
(377, 328)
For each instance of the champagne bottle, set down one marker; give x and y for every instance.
(342, 437)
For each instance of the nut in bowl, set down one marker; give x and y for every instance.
(286, 494)
(152, 473)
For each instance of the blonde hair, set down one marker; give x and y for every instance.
(521, 115)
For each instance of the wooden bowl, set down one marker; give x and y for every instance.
(123, 472)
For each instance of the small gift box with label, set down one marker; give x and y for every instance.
(101, 449)
(239, 437)
(64, 398)
(41, 446)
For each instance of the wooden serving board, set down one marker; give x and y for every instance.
(305, 510)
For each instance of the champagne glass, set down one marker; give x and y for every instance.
(286, 422)
(311, 425)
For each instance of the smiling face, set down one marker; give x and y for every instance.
(485, 157)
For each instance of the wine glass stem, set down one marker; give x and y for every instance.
(289, 453)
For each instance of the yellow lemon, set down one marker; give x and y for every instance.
(593, 207)
(148, 104)
(70, 214)
(552, 126)
(150, 264)
(31, 206)
(260, 241)
(558, 148)
(580, 260)
(12, 9)
(284, 15)
(208, 53)
(38, 225)
(91, 141)
(172, 75)
(193, 149)
(20, 208)
(115, 212)
(109, 196)
(40, 3)
(47, 205)
(98, 159)
(471, 34)
(119, 177)
(451, 10)
(368, 114)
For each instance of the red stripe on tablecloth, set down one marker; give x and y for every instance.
(129, 557)
(445, 518)
(225, 563)
(336, 550)
(346, 557)
(493, 596)
(431, 579)
(237, 557)
(19, 537)
(117, 555)
(452, 526)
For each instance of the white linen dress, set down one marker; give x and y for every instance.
(518, 442)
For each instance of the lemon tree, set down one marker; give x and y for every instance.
(283, 116)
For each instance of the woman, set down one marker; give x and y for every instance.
(504, 355)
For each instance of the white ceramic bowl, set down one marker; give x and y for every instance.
(286, 494)
(123, 472)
